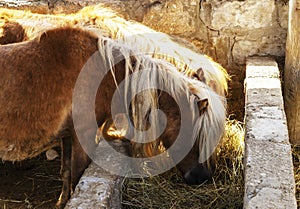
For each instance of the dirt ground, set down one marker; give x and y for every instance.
(30, 184)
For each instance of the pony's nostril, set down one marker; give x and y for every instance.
(197, 175)
(188, 179)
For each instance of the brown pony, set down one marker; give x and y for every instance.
(37, 81)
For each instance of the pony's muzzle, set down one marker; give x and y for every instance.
(198, 175)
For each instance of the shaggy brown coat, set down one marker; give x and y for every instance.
(37, 82)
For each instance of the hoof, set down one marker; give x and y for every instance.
(62, 201)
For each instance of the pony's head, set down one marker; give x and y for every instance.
(208, 112)
(193, 171)
(194, 119)
(195, 116)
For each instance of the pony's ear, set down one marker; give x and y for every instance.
(42, 37)
(200, 74)
(202, 105)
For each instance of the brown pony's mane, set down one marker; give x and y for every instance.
(11, 32)
(37, 80)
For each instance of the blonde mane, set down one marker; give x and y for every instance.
(159, 45)
(207, 129)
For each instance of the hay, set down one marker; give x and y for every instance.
(168, 190)
(296, 161)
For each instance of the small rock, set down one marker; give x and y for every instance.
(51, 154)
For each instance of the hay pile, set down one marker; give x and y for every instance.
(296, 161)
(169, 191)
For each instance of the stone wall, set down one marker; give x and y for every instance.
(227, 30)
(291, 73)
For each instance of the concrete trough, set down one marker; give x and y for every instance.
(269, 177)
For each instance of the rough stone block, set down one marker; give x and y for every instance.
(35, 6)
(254, 97)
(269, 177)
(265, 112)
(269, 181)
(262, 83)
(261, 67)
(249, 14)
(172, 18)
(96, 189)
(263, 42)
(267, 125)
(100, 188)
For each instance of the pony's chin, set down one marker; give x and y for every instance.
(198, 175)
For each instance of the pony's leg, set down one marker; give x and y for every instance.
(66, 149)
(80, 155)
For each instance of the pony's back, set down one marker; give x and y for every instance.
(37, 80)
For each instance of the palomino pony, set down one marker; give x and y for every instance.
(38, 81)
(208, 117)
